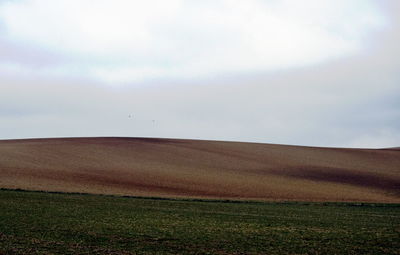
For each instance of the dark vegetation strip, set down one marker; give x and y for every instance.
(231, 201)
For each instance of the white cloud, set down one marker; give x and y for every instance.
(134, 40)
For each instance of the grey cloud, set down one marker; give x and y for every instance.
(348, 102)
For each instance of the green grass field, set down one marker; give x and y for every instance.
(47, 223)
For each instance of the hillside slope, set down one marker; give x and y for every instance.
(193, 168)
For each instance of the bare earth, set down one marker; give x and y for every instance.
(203, 169)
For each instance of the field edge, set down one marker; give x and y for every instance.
(210, 200)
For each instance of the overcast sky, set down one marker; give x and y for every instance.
(310, 72)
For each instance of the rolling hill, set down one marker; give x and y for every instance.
(200, 169)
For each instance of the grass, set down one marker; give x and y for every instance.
(49, 223)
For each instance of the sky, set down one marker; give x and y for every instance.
(311, 72)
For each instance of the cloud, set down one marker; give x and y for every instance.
(203, 69)
(351, 102)
(126, 41)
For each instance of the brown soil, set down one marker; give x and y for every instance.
(206, 169)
